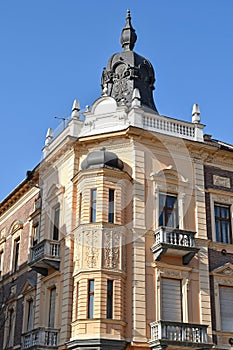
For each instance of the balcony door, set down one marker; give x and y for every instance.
(171, 300)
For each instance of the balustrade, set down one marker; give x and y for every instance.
(48, 248)
(172, 127)
(178, 332)
(40, 337)
(174, 236)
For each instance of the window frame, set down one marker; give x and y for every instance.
(1, 262)
(179, 281)
(91, 297)
(165, 210)
(29, 320)
(93, 205)
(222, 316)
(111, 205)
(183, 276)
(52, 314)
(80, 208)
(35, 234)
(110, 295)
(56, 222)
(222, 277)
(225, 200)
(222, 220)
(9, 331)
(16, 253)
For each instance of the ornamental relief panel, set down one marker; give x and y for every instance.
(228, 271)
(101, 247)
(87, 249)
(112, 250)
(92, 248)
(225, 281)
(221, 181)
(166, 272)
(222, 199)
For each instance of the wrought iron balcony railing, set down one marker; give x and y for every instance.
(174, 242)
(179, 334)
(45, 254)
(40, 337)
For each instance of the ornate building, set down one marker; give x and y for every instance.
(121, 238)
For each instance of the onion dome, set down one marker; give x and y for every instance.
(127, 70)
(102, 159)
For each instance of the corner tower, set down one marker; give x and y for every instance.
(128, 70)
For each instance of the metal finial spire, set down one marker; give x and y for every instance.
(128, 35)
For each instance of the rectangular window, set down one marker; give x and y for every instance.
(11, 328)
(30, 314)
(171, 299)
(1, 263)
(80, 207)
(226, 308)
(56, 223)
(16, 254)
(35, 234)
(52, 303)
(90, 311)
(111, 206)
(222, 223)
(93, 205)
(168, 213)
(109, 299)
(77, 296)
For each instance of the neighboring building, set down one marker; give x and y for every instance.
(121, 238)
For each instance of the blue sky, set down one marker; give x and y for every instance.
(53, 51)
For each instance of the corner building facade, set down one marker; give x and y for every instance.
(127, 238)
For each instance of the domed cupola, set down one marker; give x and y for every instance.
(102, 159)
(127, 70)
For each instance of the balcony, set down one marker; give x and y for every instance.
(176, 242)
(40, 338)
(166, 333)
(45, 255)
